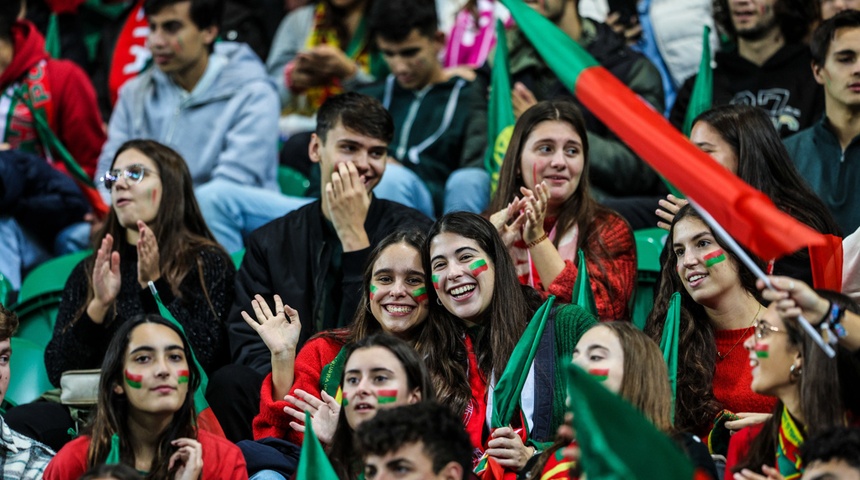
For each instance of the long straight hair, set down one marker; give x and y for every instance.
(113, 409)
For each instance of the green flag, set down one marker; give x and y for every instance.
(52, 36)
(500, 121)
(313, 462)
(205, 416)
(703, 89)
(669, 342)
(616, 441)
(113, 455)
(582, 293)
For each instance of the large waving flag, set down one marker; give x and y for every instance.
(616, 441)
(500, 121)
(313, 462)
(669, 342)
(582, 293)
(703, 88)
(747, 214)
(205, 416)
(826, 262)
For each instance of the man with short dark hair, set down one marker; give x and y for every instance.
(827, 154)
(832, 455)
(423, 441)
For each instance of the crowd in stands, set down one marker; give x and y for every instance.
(313, 248)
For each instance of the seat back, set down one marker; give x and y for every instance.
(49, 277)
(649, 245)
(292, 182)
(29, 376)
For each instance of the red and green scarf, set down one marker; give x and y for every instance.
(788, 460)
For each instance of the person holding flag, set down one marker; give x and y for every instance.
(719, 307)
(544, 212)
(521, 341)
(154, 232)
(145, 415)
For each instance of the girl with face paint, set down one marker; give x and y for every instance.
(475, 283)
(154, 232)
(719, 306)
(146, 407)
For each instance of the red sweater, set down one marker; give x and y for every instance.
(221, 459)
(615, 269)
(733, 375)
(272, 421)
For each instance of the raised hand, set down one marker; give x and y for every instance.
(280, 330)
(668, 209)
(348, 201)
(324, 413)
(510, 231)
(148, 268)
(535, 211)
(508, 449)
(106, 280)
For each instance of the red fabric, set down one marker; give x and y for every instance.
(207, 421)
(272, 421)
(221, 459)
(474, 418)
(77, 121)
(64, 6)
(739, 445)
(616, 270)
(826, 262)
(130, 53)
(746, 214)
(733, 376)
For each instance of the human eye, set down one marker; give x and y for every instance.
(703, 243)
(572, 151)
(465, 257)
(172, 27)
(134, 172)
(351, 380)
(415, 280)
(142, 359)
(544, 149)
(594, 357)
(380, 378)
(679, 252)
(4, 359)
(439, 265)
(383, 279)
(369, 472)
(378, 153)
(176, 357)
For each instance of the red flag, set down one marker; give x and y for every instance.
(826, 261)
(130, 54)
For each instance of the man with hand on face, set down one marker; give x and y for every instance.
(314, 257)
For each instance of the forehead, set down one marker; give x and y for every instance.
(176, 12)
(554, 130)
(133, 156)
(847, 38)
(153, 335)
(599, 336)
(413, 453)
(398, 256)
(339, 134)
(372, 358)
(413, 40)
(687, 228)
(448, 243)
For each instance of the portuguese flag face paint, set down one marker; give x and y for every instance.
(420, 294)
(435, 281)
(478, 267)
(714, 257)
(761, 350)
(183, 376)
(133, 381)
(372, 291)
(599, 374)
(386, 396)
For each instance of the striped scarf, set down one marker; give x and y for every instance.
(788, 460)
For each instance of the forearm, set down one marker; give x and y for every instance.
(283, 372)
(547, 261)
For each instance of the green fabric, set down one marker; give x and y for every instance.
(501, 119)
(571, 322)
(332, 374)
(200, 402)
(52, 37)
(669, 342)
(582, 293)
(313, 462)
(113, 457)
(703, 89)
(604, 423)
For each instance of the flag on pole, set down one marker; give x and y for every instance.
(747, 214)
(669, 343)
(582, 293)
(703, 88)
(605, 425)
(205, 416)
(313, 462)
(826, 262)
(500, 122)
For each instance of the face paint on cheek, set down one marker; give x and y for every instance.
(133, 381)
(435, 279)
(478, 267)
(153, 194)
(372, 291)
(420, 294)
(183, 376)
(761, 350)
(599, 374)
(714, 258)
(386, 396)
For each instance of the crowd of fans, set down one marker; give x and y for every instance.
(414, 312)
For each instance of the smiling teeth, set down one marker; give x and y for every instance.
(697, 277)
(398, 308)
(462, 290)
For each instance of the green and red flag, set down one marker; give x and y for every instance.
(604, 424)
(478, 267)
(583, 295)
(762, 350)
(702, 96)
(714, 258)
(826, 263)
(599, 374)
(384, 397)
(747, 214)
(205, 416)
(501, 119)
(420, 294)
(133, 381)
(313, 462)
(669, 342)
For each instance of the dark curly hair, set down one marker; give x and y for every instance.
(794, 17)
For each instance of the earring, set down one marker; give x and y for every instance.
(438, 302)
(795, 371)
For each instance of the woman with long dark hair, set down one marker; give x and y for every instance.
(474, 281)
(145, 412)
(544, 212)
(719, 306)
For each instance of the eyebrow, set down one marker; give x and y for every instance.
(458, 251)
(372, 370)
(147, 348)
(409, 271)
(695, 237)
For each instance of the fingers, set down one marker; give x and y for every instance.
(298, 415)
(264, 307)
(250, 321)
(297, 427)
(314, 402)
(329, 400)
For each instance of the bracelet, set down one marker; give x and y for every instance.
(837, 313)
(538, 240)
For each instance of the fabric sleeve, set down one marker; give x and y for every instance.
(289, 40)
(79, 121)
(612, 277)
(70, 462)
(76, 343)
(221, 458)
(271, 421)
(200, 312)
(253, 277)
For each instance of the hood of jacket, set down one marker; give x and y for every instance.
(29, 48)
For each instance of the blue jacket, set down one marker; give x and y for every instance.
(227, 127)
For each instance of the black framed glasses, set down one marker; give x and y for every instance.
(133, 175)
(763, 329)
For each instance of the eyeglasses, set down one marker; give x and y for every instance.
(133, 175)
(763, 329)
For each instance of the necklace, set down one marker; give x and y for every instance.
(722, 356)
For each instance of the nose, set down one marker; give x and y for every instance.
(558, 161)
(121, 181)
(689, 259)
(455, 271)
(398, 288)
(156, 37)
(161, 370)
(397, 65)
(749, 343)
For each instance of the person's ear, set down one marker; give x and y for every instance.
(415, 396)
(117, 389)
(210, 33)
(818, 74)
(314, 148)
(439, 39)
(451, 471)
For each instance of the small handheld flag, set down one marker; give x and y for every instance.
(313, 462)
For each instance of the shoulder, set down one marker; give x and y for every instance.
(65, 70)
(72, 455)
(611, 228)
(800, 139)
(325, 345)
(388, 213)
(218, 447)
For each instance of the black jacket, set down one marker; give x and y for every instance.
(290, 257)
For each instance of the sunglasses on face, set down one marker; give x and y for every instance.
(133, 175)
(764, 329)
